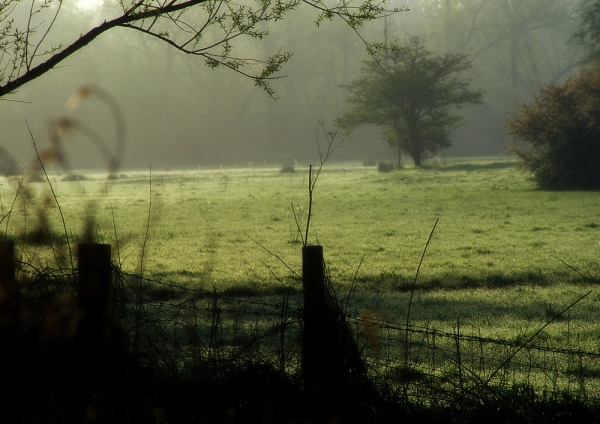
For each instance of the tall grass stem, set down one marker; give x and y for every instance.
(62, 217)
(412, 292)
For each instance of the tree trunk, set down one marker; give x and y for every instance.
(416, 152)
(415, 146)
(418, 160)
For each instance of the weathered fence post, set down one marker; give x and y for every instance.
(93, 331)
(7, 262)
(8, 296)
(333, 371)
(314, 343)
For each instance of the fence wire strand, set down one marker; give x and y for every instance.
(202, 330)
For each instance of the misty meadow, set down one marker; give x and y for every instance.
(214, 258)
(517, 252)
(286, 211)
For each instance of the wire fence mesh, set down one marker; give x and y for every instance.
(202, 333)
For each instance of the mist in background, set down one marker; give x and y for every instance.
(181, 114)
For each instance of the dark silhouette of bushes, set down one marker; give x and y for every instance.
(385, 166)
(288, 169)
(562, 129)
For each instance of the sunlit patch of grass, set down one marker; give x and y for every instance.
(513, 313)
(484, 237)
(491, 264)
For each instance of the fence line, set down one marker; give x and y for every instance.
(441, 363)
(202, 332)
(378, 323)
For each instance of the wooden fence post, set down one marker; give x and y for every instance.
(315, 352)
(9, 297)
(94, 335)
(7, 262)
(333, 371)
(93, 331)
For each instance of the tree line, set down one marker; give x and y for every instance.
(408, 92)
(472, 50)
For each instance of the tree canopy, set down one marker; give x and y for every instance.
(588, 33)
(409, 92)
(515, 47)
(562, 130)
(212, 29)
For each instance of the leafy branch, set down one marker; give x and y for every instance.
(205, 28)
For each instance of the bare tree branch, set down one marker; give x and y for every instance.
(122, 21)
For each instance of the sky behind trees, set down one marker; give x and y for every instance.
(180, 113)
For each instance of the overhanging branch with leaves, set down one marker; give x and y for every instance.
(206, 28)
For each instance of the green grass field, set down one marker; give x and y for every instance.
(495, 260)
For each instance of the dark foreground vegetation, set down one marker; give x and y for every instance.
(162, 354)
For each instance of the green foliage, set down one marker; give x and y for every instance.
(212, 30)
(385, 166)
(562, 130)
(408, 91)
(588, 33)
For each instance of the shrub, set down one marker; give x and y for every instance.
(562, 129)
(74, 177)
(385, 166)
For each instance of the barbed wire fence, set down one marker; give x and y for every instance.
(193, 334)
(447, 365)
(198, 333)
(189, 333)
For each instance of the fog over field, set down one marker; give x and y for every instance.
(181, 114)
(160, 211)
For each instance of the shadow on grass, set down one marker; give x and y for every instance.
(385, 282)
(469, 167)
(47, 378)
(392, 282)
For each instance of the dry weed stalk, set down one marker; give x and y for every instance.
(332, 146)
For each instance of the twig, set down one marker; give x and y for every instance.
(147, 228)
(412, 292)
(29, 60)
(512, 355)
(310, 201)
(331, 147)
(347, 299)
(298, 224)
(458, 357)
(14, 101)
(12, 206)
(287, 288)
(112, 211)
(273, 254)
(571, 267)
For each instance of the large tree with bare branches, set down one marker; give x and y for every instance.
(212, 29)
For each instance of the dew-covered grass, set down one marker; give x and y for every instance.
(501, 258)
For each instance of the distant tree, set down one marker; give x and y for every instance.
(588, 33)
(409, 91)
(562, 129)
(514, 46)
(212, 29)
